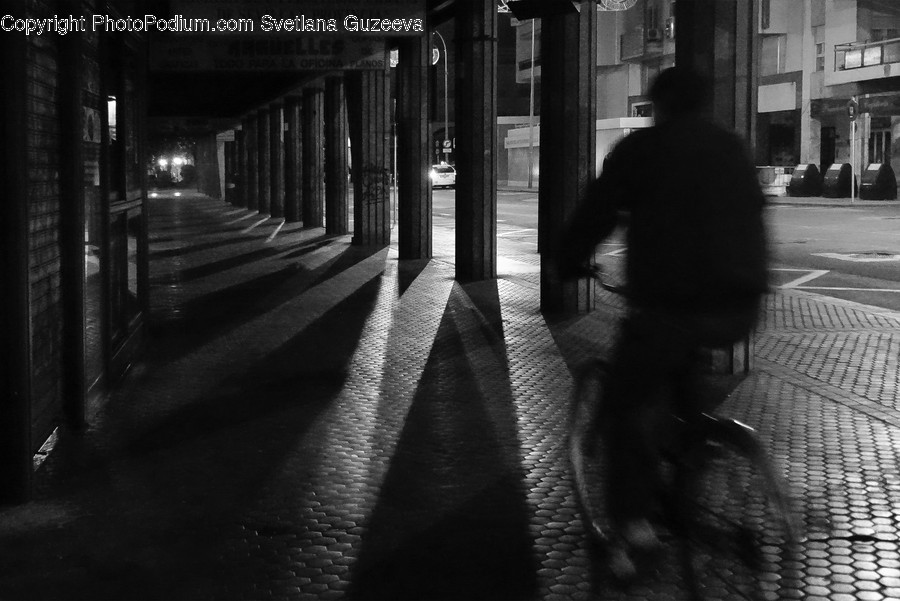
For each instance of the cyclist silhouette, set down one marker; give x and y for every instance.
(696, 272)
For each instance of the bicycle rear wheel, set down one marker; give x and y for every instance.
(743, 523)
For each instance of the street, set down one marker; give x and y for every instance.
(852, 253)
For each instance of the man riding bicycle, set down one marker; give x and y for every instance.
(696, 271)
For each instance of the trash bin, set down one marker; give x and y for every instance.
(878, 183)
(806, 181)
(836, 183)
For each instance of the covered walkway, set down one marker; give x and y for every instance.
(314, 420)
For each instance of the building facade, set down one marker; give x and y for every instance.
(817, 56)
(813, 58)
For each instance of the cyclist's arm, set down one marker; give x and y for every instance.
(594, 219)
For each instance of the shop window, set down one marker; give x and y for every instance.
(114, 147)
(880, 146)
(94, 247)
(125, 188)
(131, 144)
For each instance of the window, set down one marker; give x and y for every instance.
(642, 109)
(651, 17)
(772, 54)
(879, 35)
(820, 57)
(880, 146)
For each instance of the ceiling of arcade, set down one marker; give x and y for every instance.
(221, 76)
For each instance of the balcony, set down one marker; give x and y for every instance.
(862, 61)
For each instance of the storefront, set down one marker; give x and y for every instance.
(877, 129)
(74, 227)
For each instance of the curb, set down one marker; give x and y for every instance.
(814, 201)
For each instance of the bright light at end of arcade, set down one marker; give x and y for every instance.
(163, 163)
(177, 194)
(153, 195)
(178, 161)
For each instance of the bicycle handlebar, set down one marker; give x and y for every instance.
(595, 271)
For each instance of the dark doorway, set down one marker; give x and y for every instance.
(826, 156)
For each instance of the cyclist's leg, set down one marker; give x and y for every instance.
(638, 381)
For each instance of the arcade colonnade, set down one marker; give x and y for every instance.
(73, 198)
(301, 175)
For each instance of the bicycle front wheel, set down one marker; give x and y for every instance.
(585, 453)
(745, 525)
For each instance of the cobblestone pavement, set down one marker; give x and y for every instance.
(317, 421)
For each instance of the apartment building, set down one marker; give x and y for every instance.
(814, 58)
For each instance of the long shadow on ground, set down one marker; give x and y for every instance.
(451, 521)
(144, 499)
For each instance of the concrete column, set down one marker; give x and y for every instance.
(206, 161)
(250, 144)
(369, 118)
(227, 150)
(240, 158)
(293, 159)
(476, 140)
(263, 157)
(718, 38)
(568, 145)
(276, 155)
(414, 237)
(337, 199)
(313, 185)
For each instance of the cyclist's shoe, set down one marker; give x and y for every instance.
(621, 564)
(633, 550)
(640, 537)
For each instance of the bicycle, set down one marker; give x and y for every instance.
(704, 454)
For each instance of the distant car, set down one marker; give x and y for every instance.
(443, 175)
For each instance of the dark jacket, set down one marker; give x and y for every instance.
(696, 237)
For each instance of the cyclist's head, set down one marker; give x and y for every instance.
(678, 91)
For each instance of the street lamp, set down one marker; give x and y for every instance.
(446, 119)
(531, 115)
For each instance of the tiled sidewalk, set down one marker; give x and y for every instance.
(316, 421)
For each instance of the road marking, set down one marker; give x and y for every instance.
(510, 233)
(846, 289)
(247, 216)
(235, 212)
(615, 253)
(277, 229)
(860, 257)
(811, 274)
(260, 222)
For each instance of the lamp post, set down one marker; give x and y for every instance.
(531, 115)
(446, 119)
